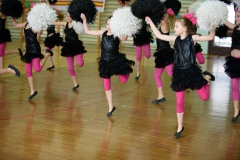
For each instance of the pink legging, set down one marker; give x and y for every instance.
(107, 81)
(235, 89)
(200, 58)
(147, 52)
(36, 65)
(203, 93)
(2, 49)
(158, 72)
(70, 62)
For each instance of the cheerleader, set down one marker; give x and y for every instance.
(232, 65)
(185, 73)
(111, 61)
(72, 47)
(5, 36)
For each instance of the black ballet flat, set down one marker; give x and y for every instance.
(33, 95)
(234, 120)
(159, 100)
(20, 52)
(110, 113)
(177, 134)
(50, 68)
(17, 72)
(75, 88)
(209, 74)
(49, 51)
(137, 77)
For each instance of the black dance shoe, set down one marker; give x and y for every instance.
(50, 68)
(234, 120)
(33, 95)
(177, 134)
(110, 113)
(159, 100)
(75, 88)
(209, 74)
(49, 51)
(137, 77)
(17, 72)
(20, 52)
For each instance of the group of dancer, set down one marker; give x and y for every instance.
(181, 62)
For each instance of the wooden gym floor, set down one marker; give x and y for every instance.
(59, 124)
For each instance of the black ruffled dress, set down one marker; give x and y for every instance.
(143, 36)
(5, 35)
(54, 39)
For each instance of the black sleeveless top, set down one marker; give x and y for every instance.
(51, 29)
(162, 44)
(32, 44)
(2, 23)
(70, 33)
(235, 38)
(184, 52)
(109, 47)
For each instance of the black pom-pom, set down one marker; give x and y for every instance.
(221, 31)
(86, 7)
(175, 5)
(226, 1)
(52, 1)
(12, 8)
(154, 9)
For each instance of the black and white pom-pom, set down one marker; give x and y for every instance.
(236, 4)
(12, 8)
(52, 1)
(221, 31)
(151, 8)
(86, 7)
(211, 15)
(193, 7)
(40, 16)
(175, 5)
(78, 27)
(124, 23)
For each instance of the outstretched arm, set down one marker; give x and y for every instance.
(18, 25)
(157, 33)
(59, 23)
(204, 38)
(229, 24)
(87, 30)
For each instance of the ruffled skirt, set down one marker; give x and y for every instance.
(232, 67)
(53, 40)
(33, 50)
(5, 36)
(72, 48)
(164, 57)
(141, 39)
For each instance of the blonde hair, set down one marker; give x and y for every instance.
(191, 29)
(170, 20)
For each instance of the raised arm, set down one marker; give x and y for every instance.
(18, 25)
(229, 24)
(157, 33)
(87, 30)
(204, 38)
(59, 23)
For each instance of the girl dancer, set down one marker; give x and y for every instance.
(72, 47)
(33, 54)
(232, 65)
(185, 73)
(111, 61)
(5, 36)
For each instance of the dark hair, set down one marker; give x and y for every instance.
(191, 30)
(108, 18)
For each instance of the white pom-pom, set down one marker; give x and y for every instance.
(78, 27)
(237, 2)
(124, 23)
(162, 0)
(211, 15)
(193, 7)
(40, 16)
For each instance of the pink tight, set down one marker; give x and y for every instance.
(2, 49)
(70, 62)
(235, 89)
(203, 93)
(107, 81)
(200, 58)
(147, 52)
(36, 65)
(158, 72)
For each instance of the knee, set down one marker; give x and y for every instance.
(201, 61)
(139, 57)
(2, 53)
(29, 73)
(80, 64)
(180, 108)
(148, 56)
(37, 69)
(205, 97)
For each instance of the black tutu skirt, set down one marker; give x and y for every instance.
(72, 48)
(187, 78)
(121, 65)
(28, 56)
(198, 48)
(5, 36)
(232, 67)
(164, 57)
(53, 40)
(141, 39)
